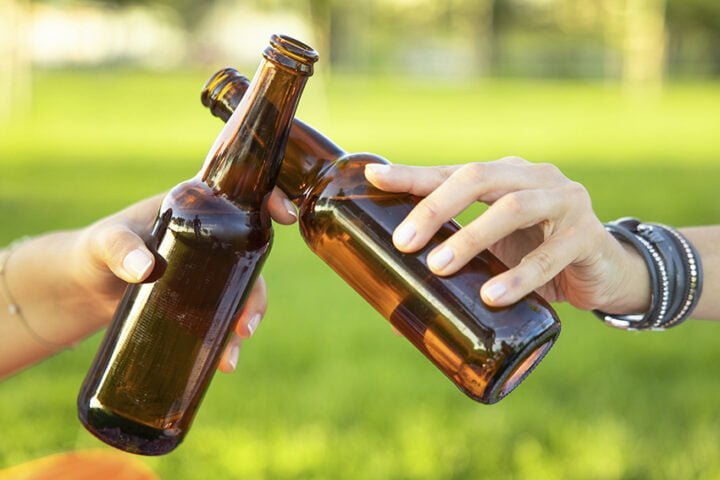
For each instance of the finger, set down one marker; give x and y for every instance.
(535, 270)
(474, 181)
(281, 208)
(229, 359)
(253, 310)
(512, 212)
(123, 252)
(418, 181)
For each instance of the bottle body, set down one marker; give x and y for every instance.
(485, 351)
(167, 337)
(212, 235)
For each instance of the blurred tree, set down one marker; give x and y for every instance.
(15, 61)
(697, 20)
(644, 43)
(191, 11)
(476, 19)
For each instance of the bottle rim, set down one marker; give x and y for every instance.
(291, 53)
(219, 83)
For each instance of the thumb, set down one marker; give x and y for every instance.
(124, 253)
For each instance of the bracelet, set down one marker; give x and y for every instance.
(675, 275)
(13, 308)
(693, 283)
(658, 294)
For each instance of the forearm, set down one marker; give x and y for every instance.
(707, 242)
(38, 275)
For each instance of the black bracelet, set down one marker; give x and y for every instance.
(652, 261)
(675, 275)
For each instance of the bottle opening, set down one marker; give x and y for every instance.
(221, 89)
(524, 367)
(291, 53)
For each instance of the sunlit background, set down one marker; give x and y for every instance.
(99, 107)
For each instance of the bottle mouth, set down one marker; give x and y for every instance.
(222, 84)
(291, 53)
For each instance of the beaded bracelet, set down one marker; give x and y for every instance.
(12, 306)
(693, 281)
(675, 275)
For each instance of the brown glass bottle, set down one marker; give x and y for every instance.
(213, 233)
(485, 351)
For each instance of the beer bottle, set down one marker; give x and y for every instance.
(213, 233)
(485, 351)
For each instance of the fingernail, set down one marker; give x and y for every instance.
(495, 291)
(137, 263)
(290, 208)
(404, 234)
(378, 168)
(234, 353)
(441, 258)
(253, 323)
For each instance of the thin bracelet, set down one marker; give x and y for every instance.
(677, 274)
(13, 308)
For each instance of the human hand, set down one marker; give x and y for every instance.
(112, 252)
(539, 223)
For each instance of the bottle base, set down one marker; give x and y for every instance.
(520, 366)
(126, 434)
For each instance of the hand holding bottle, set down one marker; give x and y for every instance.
(68, 284)
(539, 223)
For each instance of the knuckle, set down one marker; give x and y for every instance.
(429, 209)
(542, 262)
(513, 204)
(577, 196)
(444, 171)
(115, 242)
(468, 240)
(548, 170)
(473, 172)
(577, 189)
(514, 160)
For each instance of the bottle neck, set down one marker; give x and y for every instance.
(308, 153)
(245, 160)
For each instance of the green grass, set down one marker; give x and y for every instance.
(325, 390)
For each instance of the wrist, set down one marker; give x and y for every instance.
(631, 291)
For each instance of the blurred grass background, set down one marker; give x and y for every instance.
(325, 390)
(99, 107)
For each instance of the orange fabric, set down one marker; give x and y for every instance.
(88, 465)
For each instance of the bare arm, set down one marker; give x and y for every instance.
(68, 284)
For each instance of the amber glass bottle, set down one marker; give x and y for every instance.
(485, 351)
(213, 233)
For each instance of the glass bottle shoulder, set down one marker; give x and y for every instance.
(342, 185)
(193, 209)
